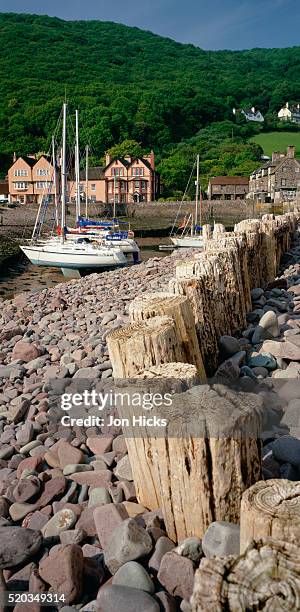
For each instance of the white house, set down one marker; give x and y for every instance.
(250, 115)
(290, 113)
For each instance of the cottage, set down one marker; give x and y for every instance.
(250, 114)
(290, 113)
(278, 180)
(227, 187)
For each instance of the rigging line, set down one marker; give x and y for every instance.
(181, 203)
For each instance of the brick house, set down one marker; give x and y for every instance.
(30, 179)
(227, 187)
(278, 180)
(130, 179)
(122, 180)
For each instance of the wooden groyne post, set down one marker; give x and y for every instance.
(184, 469)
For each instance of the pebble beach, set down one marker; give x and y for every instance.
(70, 522)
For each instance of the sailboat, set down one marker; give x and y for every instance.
(79, 254)
(194, 238)
(106, 232)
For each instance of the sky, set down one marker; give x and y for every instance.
(210, 24)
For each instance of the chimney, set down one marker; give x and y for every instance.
(14, 157)
(275, 156)
(290, 152)
(107, 159)
(151, 159)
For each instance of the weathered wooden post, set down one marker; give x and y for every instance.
(218, 230)
(196, 280)
(142, 450)
(206, 232)
(217, 285)
(271, 508)
(179, 309)
(180, 465)
(136, 347)
(265, 577)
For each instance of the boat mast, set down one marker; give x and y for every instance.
(114, 209)
(54, 179)
(77, 167)
(63, 173)
(86, 179)
(197, 191)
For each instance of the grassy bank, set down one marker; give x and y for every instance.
(277, 141)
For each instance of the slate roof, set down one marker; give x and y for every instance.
(229, 180)
(95, 173)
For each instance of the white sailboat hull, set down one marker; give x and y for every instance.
(73, 256)
(188, 241)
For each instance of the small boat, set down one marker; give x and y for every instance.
(194, 238)
(79, 254)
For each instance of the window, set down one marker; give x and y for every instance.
(144, 185)
(93, 186)
(20, 172)
(137, 171)
(283, 182)
(21, 185)
(123, 185)
(285, 168)
(93, 199)
(42, 184)
(117, 171)
(43, 172)
(137, 184)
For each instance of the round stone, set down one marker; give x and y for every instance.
(132, 574)
(61, 521)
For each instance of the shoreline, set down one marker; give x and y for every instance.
(71, 489)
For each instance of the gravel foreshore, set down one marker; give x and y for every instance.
(70, 522)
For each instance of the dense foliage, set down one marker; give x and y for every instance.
(133, 85)
(223, 150)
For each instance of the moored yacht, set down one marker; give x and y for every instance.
(67, 254)
(191, 236)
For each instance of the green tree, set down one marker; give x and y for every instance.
(127, 147)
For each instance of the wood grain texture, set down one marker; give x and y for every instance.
(266, 577)
(179, 309)
(271, 508)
